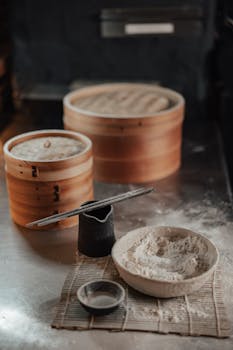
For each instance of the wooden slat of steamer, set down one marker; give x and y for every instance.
(134, 146)
(138, 171)
(42, 188)
(150, 100)
(48, 198)
(127, 126)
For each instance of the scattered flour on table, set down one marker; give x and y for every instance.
(170, 312)
(170, 258)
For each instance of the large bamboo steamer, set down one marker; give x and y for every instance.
(42, 188)
(128, 147)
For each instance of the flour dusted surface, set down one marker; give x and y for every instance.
(171, 258)
(48, 148)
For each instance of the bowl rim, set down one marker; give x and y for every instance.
(102, 280)
(68, 99)
(89, 215)
(47, 132)
(169, 282)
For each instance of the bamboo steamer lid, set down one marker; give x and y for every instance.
(136, 129)
(40, 188)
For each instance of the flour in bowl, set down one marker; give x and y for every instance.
(170, 258)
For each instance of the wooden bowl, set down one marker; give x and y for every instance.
(39, 189)
(158, 287)
(138, 145)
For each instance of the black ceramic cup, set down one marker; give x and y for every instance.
(96, 231)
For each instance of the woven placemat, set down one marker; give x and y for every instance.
(201, 313)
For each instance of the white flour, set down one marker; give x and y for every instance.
(167, 258)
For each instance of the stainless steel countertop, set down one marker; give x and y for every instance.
(33, 265)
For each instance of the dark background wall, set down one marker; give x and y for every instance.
(5, 66)
(224, 77)
(57, 42)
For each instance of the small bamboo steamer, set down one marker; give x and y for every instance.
(42, 188)
(132, 148)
